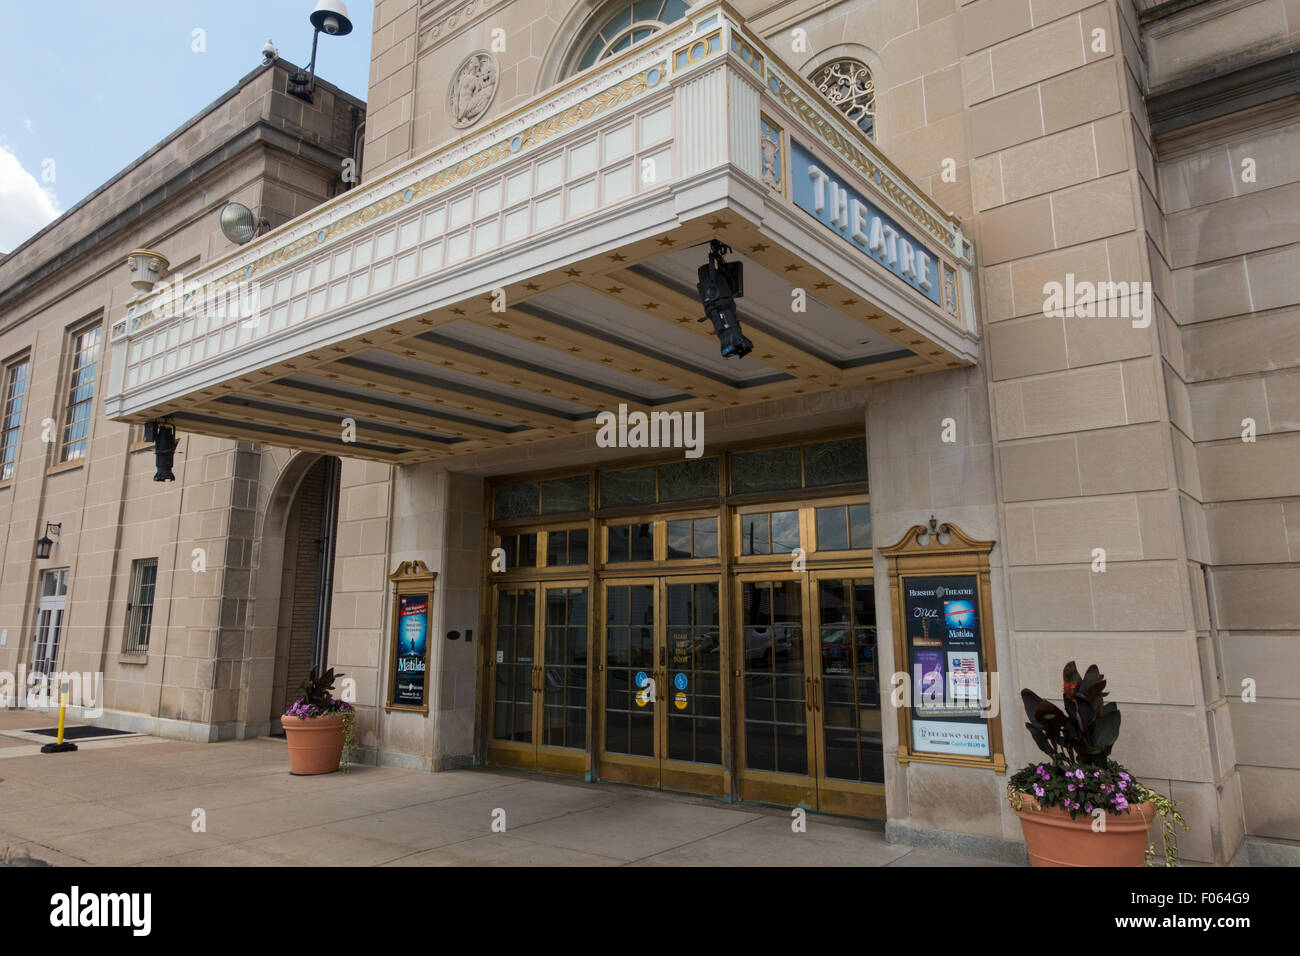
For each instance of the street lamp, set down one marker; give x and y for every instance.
(44, 543)
(331, 17)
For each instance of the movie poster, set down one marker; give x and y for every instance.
(944, 648)
(412, 650)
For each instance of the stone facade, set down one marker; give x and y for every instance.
(281, 157)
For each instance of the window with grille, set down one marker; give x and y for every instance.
(139, 613)
(81, 394)
(850, 87)
(15, 391)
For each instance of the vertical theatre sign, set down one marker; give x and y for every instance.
(943, 636)
(409, 650)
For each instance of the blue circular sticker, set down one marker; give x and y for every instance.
(641, 679)
(680, 681)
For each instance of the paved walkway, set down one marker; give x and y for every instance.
(132, 801)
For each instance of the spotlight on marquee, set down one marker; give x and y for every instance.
(720, 284)
(163, 436)
(239, 224)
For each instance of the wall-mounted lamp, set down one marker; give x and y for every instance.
(44, 543)
(330, 16)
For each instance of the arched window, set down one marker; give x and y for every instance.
(625, 24)
(848, 84)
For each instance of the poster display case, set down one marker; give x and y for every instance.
(943, 637)
(408, 668)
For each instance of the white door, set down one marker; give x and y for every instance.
(49, 620)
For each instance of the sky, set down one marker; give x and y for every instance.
(86, 88)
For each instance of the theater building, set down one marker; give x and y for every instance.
(1023, 389)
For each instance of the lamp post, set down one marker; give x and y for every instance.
(331, 17)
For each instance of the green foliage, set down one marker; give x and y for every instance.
(349, 740)
(1167, 810)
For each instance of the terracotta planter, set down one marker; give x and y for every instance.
(315, 743)
(1053, 839)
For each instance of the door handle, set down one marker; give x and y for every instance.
(816, 694)
(661, 655)
(807, 693)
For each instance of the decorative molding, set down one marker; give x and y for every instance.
(472, 89)
(440, 21)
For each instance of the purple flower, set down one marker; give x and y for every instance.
(1096, 773)
(1120, 802)
(1038, 791)
(1123, 784)
(1070, 788)
(1079, 774)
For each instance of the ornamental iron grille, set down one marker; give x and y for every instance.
(849, 86)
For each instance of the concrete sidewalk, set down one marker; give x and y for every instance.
(132, 801)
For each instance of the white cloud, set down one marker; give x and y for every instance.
(26, 206)
(27, 124)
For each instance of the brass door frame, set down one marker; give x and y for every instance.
(510, 753)
(571, 760)
(834, 795)
(536, 755)
(770, 786)
(619, 767)
(684, 775)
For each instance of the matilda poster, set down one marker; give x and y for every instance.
(943, 641)
(412, 649)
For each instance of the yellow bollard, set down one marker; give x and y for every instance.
(59, 746)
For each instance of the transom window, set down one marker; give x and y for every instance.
(630, 23)
(850, 87)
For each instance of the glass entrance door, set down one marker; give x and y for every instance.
(663, 698)
(539, 662)
(633, 691)
(850, 756)
(809, 694)
(777, 759)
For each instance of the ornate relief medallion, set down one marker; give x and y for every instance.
(473, 87)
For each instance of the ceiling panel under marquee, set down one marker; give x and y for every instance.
(439, 332)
